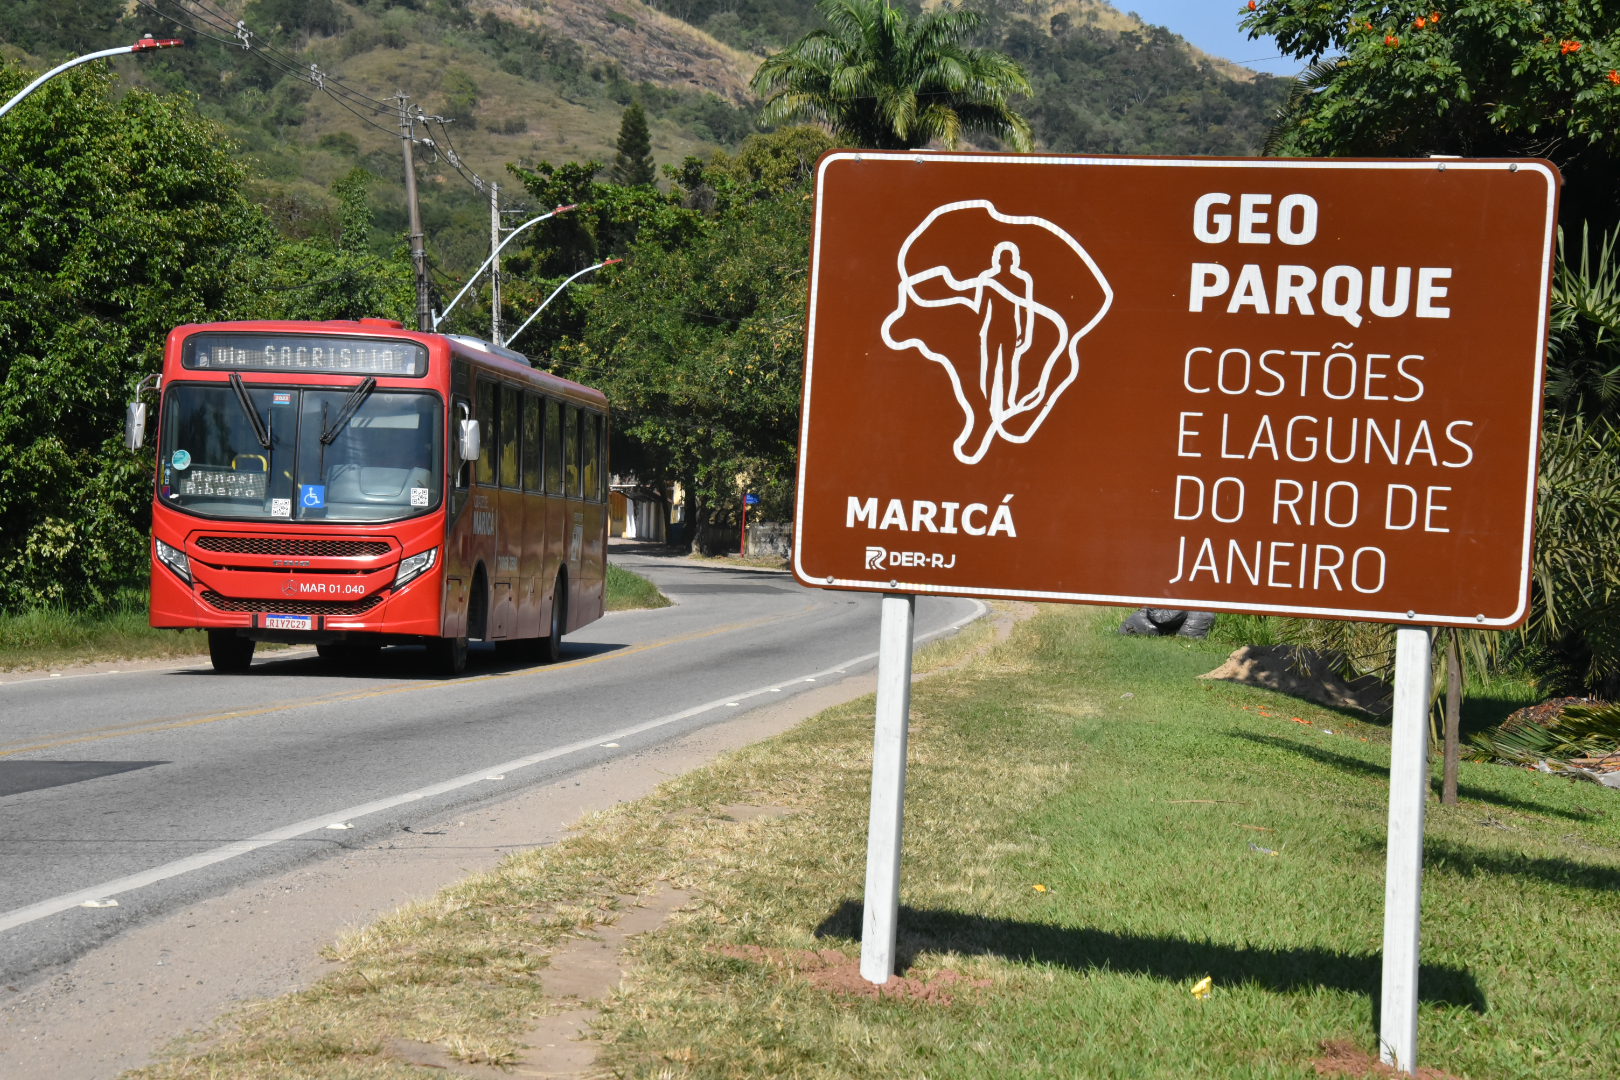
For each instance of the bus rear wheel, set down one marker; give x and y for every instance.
(448, 656)
(229, 652)
(551, 644)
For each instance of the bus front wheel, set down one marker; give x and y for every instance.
(229, 651)
(448, 655)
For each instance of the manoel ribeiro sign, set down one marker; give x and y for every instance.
(1293, 386)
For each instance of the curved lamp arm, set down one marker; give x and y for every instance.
(569, 281)
(441, 316)
(146, 44)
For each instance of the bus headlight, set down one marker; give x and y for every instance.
(174, 559)
(414, 567)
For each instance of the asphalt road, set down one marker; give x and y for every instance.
(124, 795)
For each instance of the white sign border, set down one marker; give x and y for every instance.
(913, 157)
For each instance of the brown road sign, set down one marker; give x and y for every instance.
(1287, 386)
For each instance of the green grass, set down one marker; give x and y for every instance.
(627, 591)
(54, 637)
(1143, 802)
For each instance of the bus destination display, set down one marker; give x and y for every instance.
(219, 483)
(305, 353)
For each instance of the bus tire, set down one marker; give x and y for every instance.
(551, 644)
(229, 652)
(448, 656)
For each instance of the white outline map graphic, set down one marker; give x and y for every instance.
(1003, 294)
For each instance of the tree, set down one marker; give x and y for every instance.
(633, 164)
(1533, 77)
(120, 217)
(882, 79)
(699, 340)
(1480, 78)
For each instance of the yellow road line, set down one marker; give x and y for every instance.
(176, 724)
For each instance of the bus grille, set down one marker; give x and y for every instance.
(339, 608)
(280, 545)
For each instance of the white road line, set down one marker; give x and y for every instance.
(107, 889)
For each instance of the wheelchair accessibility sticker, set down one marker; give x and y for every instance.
(311, 496)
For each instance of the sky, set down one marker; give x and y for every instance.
(1212, 25)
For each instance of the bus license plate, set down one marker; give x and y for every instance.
(289, 622)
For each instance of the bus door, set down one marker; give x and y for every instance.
(506, 570)
(531, 608)
(558, 521)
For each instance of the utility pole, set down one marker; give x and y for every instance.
(495, 267)
(407, 132)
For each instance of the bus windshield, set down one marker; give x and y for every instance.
(333, 453)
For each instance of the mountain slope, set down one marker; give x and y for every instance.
(534, 80)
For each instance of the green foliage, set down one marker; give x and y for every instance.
(461, 97)
(633, 164)
(298, 19)
(1532, 77)
(881, 78)
(121, 218)
(1578, 731)
(1583, 377)
(1575, 620)
(1104, 91)
(698, 339)
(58, 26)
(1485, 78)
(631, 592)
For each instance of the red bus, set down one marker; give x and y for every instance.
(355, 484)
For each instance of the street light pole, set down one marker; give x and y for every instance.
(146, 44)
(445, 314)
(554, 292)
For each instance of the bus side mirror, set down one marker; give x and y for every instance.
(471, 442)
(134, 425)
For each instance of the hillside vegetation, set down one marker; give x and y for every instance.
(530, 81)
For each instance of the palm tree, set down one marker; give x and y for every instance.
(881, 79)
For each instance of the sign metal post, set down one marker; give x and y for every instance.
(1403, 870)
(882, 903)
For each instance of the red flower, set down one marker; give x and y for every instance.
(1434, 16)
(1391, 40)
(1614, 77)
(1420, 22)
(1252, 5)
(1567, 47)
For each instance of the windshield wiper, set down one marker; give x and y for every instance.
(261, 432)
(350, 404)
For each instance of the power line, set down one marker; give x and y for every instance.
(355, 102)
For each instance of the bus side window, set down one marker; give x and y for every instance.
(591, 441)
(511, 438)
(489, 431)
(554, 448)
(571, 469)
(531, 443)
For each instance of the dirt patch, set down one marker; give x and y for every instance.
(744, 812)
(1302, 673)
(558, 1045)
(831, 970)
(1343, 1058)
(1545, 713)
